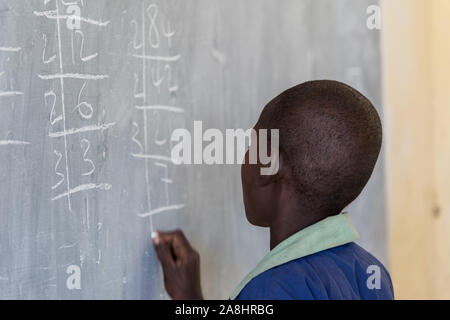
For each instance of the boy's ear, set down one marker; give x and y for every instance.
(273, 171)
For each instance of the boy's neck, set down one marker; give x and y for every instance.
(290, 223)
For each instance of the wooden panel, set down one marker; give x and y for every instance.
(415, 53)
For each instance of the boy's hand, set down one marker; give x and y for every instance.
(180, 264)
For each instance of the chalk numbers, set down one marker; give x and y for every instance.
(65, 113)
(155, 87)
(8, 93)
(84, 109)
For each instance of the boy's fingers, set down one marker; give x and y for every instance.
(177, 240)
(163, 252)
(181, 246)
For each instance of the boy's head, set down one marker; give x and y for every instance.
(330, 139)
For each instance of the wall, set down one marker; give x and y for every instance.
(416, 66)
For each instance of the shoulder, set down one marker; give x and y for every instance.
(373, 277)
(289, 281)
(355, 271)
(344, 272)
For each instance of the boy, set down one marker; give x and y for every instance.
(330, 139)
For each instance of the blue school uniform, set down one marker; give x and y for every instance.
(319, 262)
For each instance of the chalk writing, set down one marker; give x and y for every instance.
(152, 47)
(59, 106)
(6, 94)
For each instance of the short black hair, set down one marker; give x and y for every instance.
(330, 135)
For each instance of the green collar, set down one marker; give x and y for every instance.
(328, 233)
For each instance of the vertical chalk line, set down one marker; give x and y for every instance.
(63, 103)
(144, 94)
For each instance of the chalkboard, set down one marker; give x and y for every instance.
(90, 91)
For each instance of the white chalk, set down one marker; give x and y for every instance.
(155, 237)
